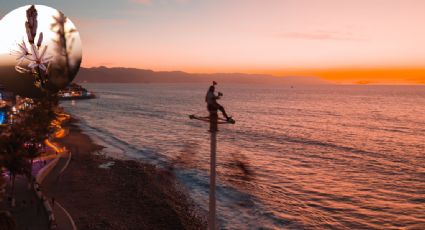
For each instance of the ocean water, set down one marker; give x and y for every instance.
(324, 157)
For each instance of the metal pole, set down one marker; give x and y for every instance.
(212, 179)
(213, 131)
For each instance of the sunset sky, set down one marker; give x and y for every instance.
(358, 41)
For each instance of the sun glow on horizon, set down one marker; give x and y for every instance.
(282, 37)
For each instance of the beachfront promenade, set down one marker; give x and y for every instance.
(62, 217)
(30, 211)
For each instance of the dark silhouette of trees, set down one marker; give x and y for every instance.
(20, 142)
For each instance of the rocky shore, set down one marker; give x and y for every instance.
(126, 194)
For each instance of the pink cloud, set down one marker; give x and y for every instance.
(144, 2)
(150, 2)
(88, 23)
(319, 35)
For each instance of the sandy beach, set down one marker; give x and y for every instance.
(127, 195)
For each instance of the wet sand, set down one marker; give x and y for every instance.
(128, 195)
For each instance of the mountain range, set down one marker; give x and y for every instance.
(133, 75)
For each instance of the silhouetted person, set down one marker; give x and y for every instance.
(211, 100)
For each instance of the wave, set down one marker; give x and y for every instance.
(196, 182)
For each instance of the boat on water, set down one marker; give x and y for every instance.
(75, 92)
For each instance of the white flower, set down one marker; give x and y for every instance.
(22, 53)
(38, 60)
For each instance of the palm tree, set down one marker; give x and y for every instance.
(11, 155)
(31, 151)
(16, 164)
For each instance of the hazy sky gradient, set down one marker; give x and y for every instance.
(272, 36)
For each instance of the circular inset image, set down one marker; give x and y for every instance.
(40, 50)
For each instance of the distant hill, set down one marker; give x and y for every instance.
(132, 75)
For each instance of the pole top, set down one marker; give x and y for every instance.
(207, 119)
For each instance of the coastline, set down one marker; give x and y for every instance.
(125, 194)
